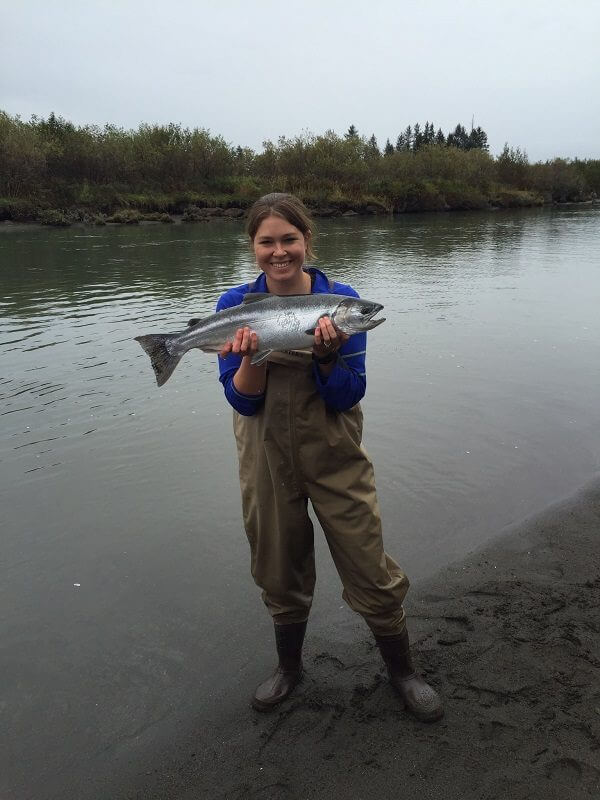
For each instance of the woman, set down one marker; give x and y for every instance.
(298, 428)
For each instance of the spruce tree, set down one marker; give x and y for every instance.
(459, 138)
(478, 139)
(389, 148)
(417, 137)
(373, 146)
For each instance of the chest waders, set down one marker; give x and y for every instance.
(295, 450)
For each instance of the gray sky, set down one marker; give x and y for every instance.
(527, 70)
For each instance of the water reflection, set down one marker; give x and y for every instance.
(472, 300)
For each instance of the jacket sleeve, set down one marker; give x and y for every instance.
(246, 404)
(346, 385)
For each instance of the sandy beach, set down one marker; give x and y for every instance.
(509, 636)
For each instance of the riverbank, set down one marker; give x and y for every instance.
(510, 638)
(17, 212)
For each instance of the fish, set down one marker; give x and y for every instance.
(281, 322)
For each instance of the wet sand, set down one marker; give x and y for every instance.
(509, 636)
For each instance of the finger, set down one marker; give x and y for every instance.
(226, 349)
(332, 330)
(237, 341)
(245, 340)
(325, 331)
(253, 342)
(318, 337)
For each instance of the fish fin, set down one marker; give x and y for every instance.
(260, 357)
(193, 321)
(163, 362)
(253, 297)
(310, 331)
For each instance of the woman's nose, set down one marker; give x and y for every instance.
(279, 248)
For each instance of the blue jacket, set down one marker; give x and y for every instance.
(342, 389)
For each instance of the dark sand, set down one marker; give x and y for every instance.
(510, 637)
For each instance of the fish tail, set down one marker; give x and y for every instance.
(162, 359)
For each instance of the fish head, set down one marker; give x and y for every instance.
(354, 315)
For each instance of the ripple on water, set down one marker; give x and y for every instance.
(479, 288)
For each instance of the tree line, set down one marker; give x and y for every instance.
(51, 163)
(414, 137)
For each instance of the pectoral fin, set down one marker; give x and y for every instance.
(260, 357)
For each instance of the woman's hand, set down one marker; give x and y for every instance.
(327, 338)
(248, 379)
(245, 344)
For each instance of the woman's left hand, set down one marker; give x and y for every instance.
(327, 338)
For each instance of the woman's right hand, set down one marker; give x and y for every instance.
(245, 344)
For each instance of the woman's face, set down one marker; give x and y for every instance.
(280, 250)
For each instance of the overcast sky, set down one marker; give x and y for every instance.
(527, 71)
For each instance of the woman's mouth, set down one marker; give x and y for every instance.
(280, 264)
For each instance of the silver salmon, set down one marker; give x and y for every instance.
(281, 322)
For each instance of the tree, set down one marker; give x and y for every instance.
(400, 142)
(512, 167)
(388, 150)
(352, 132)
(478, 139)
(417, 137)
(373, 146)
(440, 138)
(459, 138)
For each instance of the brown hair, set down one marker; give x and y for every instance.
(286, 206)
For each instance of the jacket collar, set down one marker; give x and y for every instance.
(321, 283)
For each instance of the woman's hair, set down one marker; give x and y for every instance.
(286, 206)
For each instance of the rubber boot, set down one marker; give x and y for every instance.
(288, 640)
(418, 696)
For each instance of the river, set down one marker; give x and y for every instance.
(125, 595)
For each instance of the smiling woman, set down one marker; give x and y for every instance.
(298, 428)
(280, 250)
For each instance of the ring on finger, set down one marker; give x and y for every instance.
(327, 344)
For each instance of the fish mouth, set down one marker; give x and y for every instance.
(373, 323)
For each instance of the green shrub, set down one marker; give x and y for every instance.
(194, 214)
(126, 216)
(463, 197)
(19, 210)
(56, 219)
(504, 197)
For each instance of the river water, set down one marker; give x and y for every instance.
(124, 564)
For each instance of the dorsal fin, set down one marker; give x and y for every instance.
(253, 297)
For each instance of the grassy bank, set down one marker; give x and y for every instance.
(56, 173)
